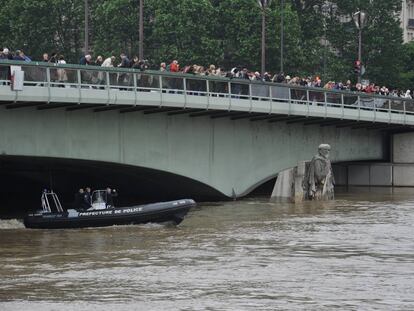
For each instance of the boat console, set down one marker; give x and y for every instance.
(99, 200)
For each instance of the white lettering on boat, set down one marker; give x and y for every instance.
(112, 212)
(96, 213)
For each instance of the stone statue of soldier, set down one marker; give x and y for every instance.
(319, 181)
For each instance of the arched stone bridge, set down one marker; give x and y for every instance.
(231, 135)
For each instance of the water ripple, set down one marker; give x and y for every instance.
(351, 254)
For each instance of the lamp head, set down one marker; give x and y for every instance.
(263, 4)
(360, 19)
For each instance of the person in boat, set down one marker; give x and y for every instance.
(87, 198)
(78, 203)
(110, 195)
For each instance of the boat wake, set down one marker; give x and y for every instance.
(6, 224)
(149, 226)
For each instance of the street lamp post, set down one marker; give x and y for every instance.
(327, 10)
(282, 34)
(141, 29)
(264, 4)
(360, 19)
(86, 27)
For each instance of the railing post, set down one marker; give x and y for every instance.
(78, 74)
(229, 94)
(185, 92)
(108, 81)
(135, 80)
(135, 87)
(271, 99)
(359, 108)
(48, 83)
(79, 78)
(108, 86)
(48, 75)
(208, 93)
(389, 110)
(290, 100)
(271, 92)
(405, 113)
(160, 83)
(250, 97)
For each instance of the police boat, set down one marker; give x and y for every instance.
(53, 216)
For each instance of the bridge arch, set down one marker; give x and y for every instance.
(23, 178)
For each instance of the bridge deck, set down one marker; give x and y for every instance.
(75, 87)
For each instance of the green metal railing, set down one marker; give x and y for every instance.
(39, 74)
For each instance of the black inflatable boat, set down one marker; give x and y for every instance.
(100, 215)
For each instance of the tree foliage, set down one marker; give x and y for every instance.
(382, 39)
(39, 26)
(223, 32)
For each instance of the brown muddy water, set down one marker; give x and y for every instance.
(355, 253)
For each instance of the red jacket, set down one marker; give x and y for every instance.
(174, 67)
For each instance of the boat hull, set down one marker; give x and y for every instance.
(173, 211)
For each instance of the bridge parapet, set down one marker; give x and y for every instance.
(91, 85)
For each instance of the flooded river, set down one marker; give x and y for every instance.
(356, 253)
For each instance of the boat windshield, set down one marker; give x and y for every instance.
(99, 200)
(99, 196)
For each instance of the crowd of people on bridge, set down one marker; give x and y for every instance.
(239, 72)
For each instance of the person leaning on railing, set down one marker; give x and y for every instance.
(142, 65)
(85, 60)
(175, 68)
(86, 75)
(20, 56)
(163, 67)
(45, 57)
(61, 73)
(98, 61)
(5, 73)
(123, 78)
(5, 54)
(107, 63)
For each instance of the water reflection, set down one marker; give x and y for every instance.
(351, 254)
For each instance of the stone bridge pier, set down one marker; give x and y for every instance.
(398, 171)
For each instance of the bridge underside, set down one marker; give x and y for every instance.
(211, 113)
(22, 180)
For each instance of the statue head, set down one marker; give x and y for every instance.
(324, 150)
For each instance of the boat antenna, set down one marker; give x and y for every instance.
(50, 181)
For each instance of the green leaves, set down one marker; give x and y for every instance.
(40, 26)
(221, 32)
(382, 49)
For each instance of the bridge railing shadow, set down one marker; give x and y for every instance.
(37, 74)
